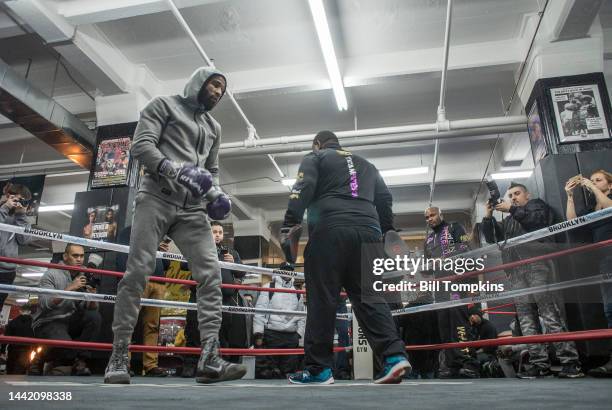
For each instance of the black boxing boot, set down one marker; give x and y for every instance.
(212, 368)
(602, 371)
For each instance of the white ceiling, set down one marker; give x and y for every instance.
(389, 52)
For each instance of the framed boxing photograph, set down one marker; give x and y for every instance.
(579, 113)
(112, 165)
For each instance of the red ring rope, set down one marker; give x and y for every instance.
(159, 349)
(527, 261)
(489, 309)
(152, 278)
(547, 338)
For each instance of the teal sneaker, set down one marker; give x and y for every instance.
(395, 367)
(304, 377)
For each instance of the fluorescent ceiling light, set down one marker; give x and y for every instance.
(22, 300)
(32, 274)
(288, 181)
(66, 174)
(404, 171)
(329, 55)
(512, 174)
(55, 208)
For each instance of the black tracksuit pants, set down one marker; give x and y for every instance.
(333, 260)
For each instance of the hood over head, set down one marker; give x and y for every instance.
(195, 83)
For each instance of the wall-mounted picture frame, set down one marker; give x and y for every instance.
(112, 165)
(536, 135)
(579, 113)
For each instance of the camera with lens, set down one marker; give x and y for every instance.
(24, 202)
(91, 279)
(494, 194)
(222, 250)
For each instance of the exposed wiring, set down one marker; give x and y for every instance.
(250, 180)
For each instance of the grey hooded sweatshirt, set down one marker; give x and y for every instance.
(177, 128)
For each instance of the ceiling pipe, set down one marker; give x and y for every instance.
(377, 140)
(475, 123)
(252, 132)
(443, 123)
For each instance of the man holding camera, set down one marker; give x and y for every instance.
(527, 215)
(13, 206)
(66, 319)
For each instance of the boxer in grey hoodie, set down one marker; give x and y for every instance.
(177, 141)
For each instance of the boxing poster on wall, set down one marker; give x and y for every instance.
(99, 215)
(35, 185)
(112, 163)
(536, 136)
(579, 114)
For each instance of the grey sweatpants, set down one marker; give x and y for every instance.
(191, 232)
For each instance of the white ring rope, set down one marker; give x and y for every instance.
(509, 294)
(95, 297)
(542, 233)
(60, 237)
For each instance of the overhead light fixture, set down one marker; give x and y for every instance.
(55, 208)
(67, 174)
(329, 55)
(403, 171)
(288, 181)
(512, 174)
(32, 274)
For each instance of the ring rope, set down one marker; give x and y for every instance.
(591, 280)
(115, 247)
(595, 334)
(510, 265)
(96, 297)
(161, 279)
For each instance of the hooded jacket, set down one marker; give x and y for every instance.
(9, 241)
(282, 301)
(180, 129)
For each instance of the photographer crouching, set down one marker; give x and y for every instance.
(66, 319)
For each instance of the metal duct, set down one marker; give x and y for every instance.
(34, 111)
(378, 141)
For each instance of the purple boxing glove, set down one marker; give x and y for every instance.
(198, 181)
(219, 208)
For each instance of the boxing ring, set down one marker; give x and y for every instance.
(422, 394)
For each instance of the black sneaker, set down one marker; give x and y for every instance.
(534, 372)
(189, 369)
(467, 373)
(156, 372)
(80, 368)
(571, 371)
(212, 368)
(448, 374)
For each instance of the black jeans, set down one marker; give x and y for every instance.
(266, 365)
(333, 260)
(83, 326)
(6, 278)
